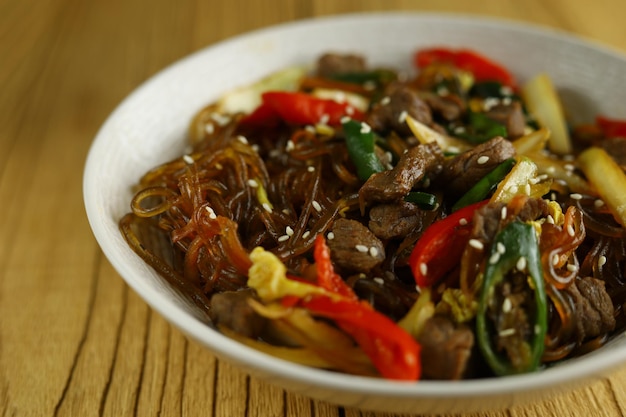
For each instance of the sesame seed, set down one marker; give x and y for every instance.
(349, 110)
(459, 130)
(385, 100)
(345, 119)
(551, 170)
(512, 189)
(443, 91)
(601, 261)
(316, 206)
(521, 263)
(330, 236)
(503, 212)
(576, 196)
(476, 244)
(505, 90)
(571, 267)
(211, 212)
(379, 280)
(324, 119)
(570, 230)
(285, 211)
(527, 189)
(537, 329)
(423, 268)
(506, 332)
(494, 258)
(289, 231)
(283, 238)
(373, 252)
(402, 116)
(490, 102)
(219, 166)
(310, 168)
(188, 159)
(362, 248)
(463, 222)
(306, 234)
(309, 128)
(507, 101)
(256, 148)
(482, 160)
(501, 248)
(242, 139)
(507, 306)
(453, 149)
(209, 128)
(267, 207)
(569, 167)
(220, 119)
(253, 183)
(365, 128)
(598, 203)
(550, 219)
(290, 146)
(555, 259)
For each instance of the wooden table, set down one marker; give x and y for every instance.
(74, 340)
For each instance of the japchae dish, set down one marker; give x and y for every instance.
(446, 223)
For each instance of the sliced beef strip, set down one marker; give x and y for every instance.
(354, 247)
(331, 63)
(231, 309)
(511, 116)
(446, 349)
(594, 308)
(389, 114)
(394, 220)
(394, 184)
(450, 106)
(465, 170)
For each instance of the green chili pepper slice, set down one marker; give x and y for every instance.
(485, 185)
(360, 142)
(423, 200)
(516, 241)
(379, 77)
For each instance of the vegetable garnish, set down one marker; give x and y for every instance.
(508, 345)
(360, 141)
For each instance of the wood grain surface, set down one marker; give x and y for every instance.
(74, 339)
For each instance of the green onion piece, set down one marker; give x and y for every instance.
(481, 128)
(379, 77)
(360, 141)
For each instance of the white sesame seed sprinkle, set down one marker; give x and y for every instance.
(209, 128)
(283, 238)
(253, 183)
(309, 128)
(256, 148)
(289, 231)
(402, 116)
(482, 160)
(555, 259)
(454, 149)
(316, 206)
(267, 207)
(188, 159)
(423, 268)
(571, 267)
(211, 212)
(505, 90)
(550, 219)
(507, 306)
(476, 244)
(463, 222)
(379, 280)
(570, 230)
(324, 119)
(521, 263)
(220, 119)
(310, 168)
(362, 248)
(569, 167)
(306, 234)
(494, 258)
(345, 119)
(290, 146)
(330, 236)
(598, 203)
(512, 189)
(385, 100)
(601, 261)
(506, 332)
(459, 130)
(527, 189)
(373, 252)
(365, 128)
(503, 212)
(242, 139)
(576, 196)
(349, 110)
(501, 248)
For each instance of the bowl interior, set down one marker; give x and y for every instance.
(149, 127)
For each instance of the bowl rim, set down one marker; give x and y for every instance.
(251, 359)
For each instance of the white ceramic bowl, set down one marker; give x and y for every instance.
(149, 128)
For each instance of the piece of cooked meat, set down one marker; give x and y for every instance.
(354, 247)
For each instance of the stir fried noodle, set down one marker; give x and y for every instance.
(430, 226)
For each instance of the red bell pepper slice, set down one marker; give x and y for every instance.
(480, 66)
(392, 350)
(611, 128)
(441, 246)
(327, 278)
(299, 108)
